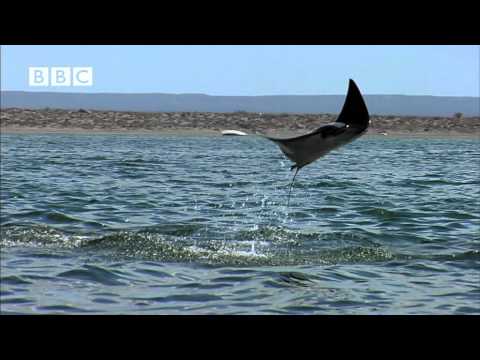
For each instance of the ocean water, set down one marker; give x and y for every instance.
(156, 224)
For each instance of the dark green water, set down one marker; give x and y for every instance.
(139, 224)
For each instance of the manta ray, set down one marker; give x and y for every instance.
(352, 122)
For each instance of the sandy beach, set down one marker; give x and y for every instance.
(15, 120)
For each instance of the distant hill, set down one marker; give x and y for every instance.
(377, 104)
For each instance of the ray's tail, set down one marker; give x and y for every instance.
(291, 185)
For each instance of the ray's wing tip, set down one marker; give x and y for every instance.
(352, 84)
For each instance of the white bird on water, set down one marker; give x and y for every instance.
(352, 123)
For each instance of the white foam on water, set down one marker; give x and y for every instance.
(240, 253)
(212, 254)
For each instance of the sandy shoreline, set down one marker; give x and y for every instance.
(51, 130)
(206, 132)
(22, 121)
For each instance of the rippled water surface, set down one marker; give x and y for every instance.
(155, 224)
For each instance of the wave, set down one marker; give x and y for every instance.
(194, 243)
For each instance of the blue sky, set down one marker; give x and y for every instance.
(255, 70)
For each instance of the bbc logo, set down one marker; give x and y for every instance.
(60, 76)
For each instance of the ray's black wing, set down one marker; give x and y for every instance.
(306, 148)
(324, 131)
(352, 121)
(354, 115)
(354, 112)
